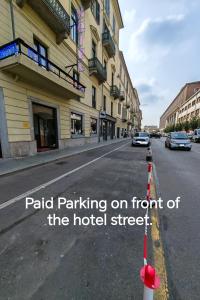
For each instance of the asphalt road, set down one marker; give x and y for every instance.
(39, 262)
(178, 175)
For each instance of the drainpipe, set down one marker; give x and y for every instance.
(101, 107)
(12, 19)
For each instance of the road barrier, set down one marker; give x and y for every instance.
(147, 273)
(149, 154)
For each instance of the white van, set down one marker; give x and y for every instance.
(196, 135)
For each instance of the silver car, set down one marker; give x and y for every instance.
(178, 140)
(141, 139)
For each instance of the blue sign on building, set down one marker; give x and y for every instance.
(9, 50)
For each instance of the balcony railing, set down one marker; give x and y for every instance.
(122, 96)
(97, 69)
(108, 43)
(18, 48)
(53, 13)
(114, 92)
(86, 3)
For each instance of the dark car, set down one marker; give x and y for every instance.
(155, 135)
(178, 140)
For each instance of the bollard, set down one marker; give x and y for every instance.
(150, 280)
(149, 154)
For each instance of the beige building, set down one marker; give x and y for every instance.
(59, 75)
(171, 114)
(191, 109)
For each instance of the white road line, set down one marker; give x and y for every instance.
(44, 185)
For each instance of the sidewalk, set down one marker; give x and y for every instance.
(12, 165)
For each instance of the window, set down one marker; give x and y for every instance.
(76, 77)
(93, 125)
(94, 49)
(119, 109)
(93, 97)
(74, 25)
(42, 54)
(107, 7)
(105, 64)
(95, 8)
(111, 109)
(114, 25)
(112, 80)
(76, 124)
(104, 103)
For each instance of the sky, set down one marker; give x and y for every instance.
(161, 44)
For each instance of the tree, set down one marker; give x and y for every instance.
(179, 127)
(194, 123)
(186, 126)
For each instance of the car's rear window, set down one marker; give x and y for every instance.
(179, 135)
(141, 134)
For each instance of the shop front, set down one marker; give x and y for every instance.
(45, 127)
(107, 127)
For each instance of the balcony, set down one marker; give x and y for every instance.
(108, 43)
(122, 96)
(97, 69)
(86, 3)
(114, 91)
(26, 64)
(124, 114)
(53, 13)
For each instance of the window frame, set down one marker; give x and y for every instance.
(94, 97)
(74, 25)
(92, 119)
(95, 9)
(73, 127)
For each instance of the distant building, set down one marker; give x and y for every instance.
(151, 128)
(190, 109)
(171, 114)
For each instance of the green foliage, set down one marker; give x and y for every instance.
(187, 125)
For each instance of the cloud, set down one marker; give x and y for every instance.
(155, 37)
(149, 92)
(161, 31)
(129, 16)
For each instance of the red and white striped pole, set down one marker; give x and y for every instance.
(147, 273)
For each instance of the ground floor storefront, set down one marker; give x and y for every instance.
(32, 123)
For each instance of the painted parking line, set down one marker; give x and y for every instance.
(46, 184)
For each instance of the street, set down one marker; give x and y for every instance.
(42, 262)
(178, 175)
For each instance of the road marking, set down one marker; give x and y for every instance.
(44, 185)
(158, 252)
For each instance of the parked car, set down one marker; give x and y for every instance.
(190, 135)
(141, 139)
(178, 140)
(196, 135)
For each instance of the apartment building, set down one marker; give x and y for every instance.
(59, 75)
(191, 109)
(171, 114)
